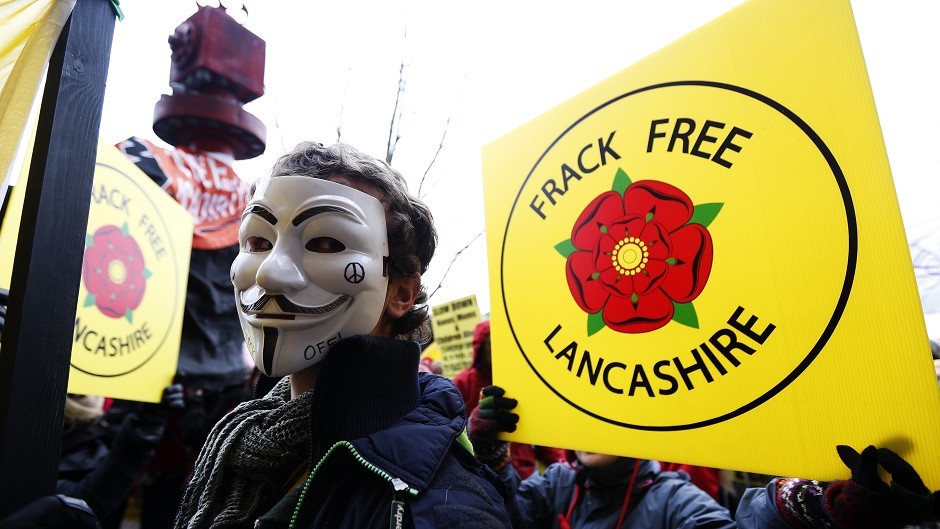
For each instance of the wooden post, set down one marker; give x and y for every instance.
(37, 336)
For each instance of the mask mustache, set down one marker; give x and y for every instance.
(287, 305)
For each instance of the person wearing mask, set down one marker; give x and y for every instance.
(328, 291)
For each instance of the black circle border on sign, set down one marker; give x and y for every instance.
(175, 292)
(846, 284)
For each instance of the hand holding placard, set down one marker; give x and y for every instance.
(489, 418)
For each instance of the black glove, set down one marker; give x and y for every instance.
(149, 422)
(490, 417)
(171, 403)
(906, 501)
(862, 502)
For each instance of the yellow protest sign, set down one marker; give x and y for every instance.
(701, 259)
(133, 291)
(453, 323)
(28, 33)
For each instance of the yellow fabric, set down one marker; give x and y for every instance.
(28, 33)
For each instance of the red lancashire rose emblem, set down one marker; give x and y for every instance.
(114, 272)
(638, 257)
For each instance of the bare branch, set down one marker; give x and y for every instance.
(452, 261)
(342, 106)
(440, 145)
(277, 126)
(434, 159)
(394, 127)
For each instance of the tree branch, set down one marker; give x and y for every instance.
(342, 107)
(434, 159)
(452, 261)
(440, 145)
(394, 126)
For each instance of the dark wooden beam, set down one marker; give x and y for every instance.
(37, 335)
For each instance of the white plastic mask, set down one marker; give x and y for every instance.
(311, 269)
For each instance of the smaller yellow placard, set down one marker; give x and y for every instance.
(133, 291)
(453, 323)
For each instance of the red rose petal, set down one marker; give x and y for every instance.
(618, 285)
(651, 277)
(626, 226)
(657, 239)
(670, 206)
(111, 307)
(651, 312)
(588, 293)
(602, 253)
(93, 271)
(602, 211)
(692, 249)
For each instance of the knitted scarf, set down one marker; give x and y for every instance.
(248, 458)
(365, 384)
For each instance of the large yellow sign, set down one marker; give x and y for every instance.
(702, 260)
(134, 273)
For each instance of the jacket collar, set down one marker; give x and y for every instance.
(371, 394)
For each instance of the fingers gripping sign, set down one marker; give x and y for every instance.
(492, 416)
(495, 407)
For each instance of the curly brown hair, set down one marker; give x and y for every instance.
(412, 237)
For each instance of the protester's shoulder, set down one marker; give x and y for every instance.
(675, 484)
(440, 393)
(463, 493)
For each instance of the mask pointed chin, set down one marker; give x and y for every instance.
(281, 348)
(268, 349)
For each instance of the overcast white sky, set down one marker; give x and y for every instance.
(490, 66)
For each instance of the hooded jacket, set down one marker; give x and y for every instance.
(660, 500)
(385, 449)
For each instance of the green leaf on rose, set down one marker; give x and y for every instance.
(89, 300)
(685, 314)
(704, 214)
(621, 181)
(129, 315)
(124, 229)
(89, 240)
(595, 322)
(565, 248)
(147, 273)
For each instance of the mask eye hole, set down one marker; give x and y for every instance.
(257, 244)
(325, 245)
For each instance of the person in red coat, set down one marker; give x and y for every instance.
(472, 380)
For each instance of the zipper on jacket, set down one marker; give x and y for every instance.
(401, 490)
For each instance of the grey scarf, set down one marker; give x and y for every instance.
(247, 461)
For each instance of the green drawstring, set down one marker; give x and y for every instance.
(116, 5)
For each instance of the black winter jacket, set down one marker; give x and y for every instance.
(376, 467)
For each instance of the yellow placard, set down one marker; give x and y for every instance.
(453, 323)
(701, 259)
(28, 33)
(133, 292)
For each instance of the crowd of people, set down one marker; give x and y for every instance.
(347, 430)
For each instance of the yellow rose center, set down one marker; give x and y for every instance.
(117, 272)
(630, 256)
